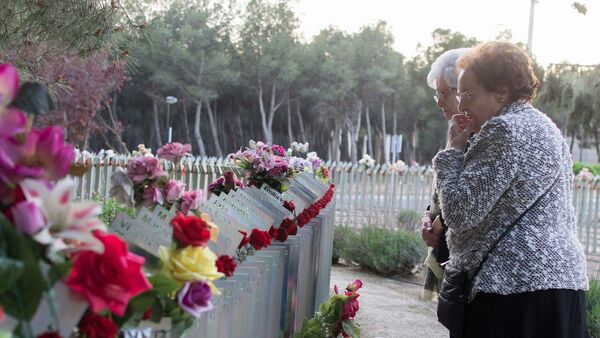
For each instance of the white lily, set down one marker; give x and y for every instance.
(69, 224)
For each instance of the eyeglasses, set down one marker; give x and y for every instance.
(442, 96)
(462, 95)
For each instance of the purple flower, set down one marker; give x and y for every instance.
(9, 84)
(174, 151)
(39, 154)
(12, 122)
(143, 167)
(278, 150)
(194, 298)
(152, 195)
(218, 183)
(190, 201)
(28, 218)
(173, 190)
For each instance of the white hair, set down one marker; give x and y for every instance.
(445, 66)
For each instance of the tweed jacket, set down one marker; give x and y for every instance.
(513, 160)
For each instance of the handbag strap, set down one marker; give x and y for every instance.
(485, 257)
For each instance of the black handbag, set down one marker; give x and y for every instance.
(456, 285)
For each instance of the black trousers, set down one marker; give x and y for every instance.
(538, 314)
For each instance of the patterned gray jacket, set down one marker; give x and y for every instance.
(511, 162)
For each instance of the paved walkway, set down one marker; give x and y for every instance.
(390, 308)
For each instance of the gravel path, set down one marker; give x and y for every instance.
(390, 308)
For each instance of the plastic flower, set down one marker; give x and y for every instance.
(190, 230)
(194, 298)
(190, 200)
(141, 168)
(27, 217)
(69, 225)
(173, 190)
(37, 154)
(226, 265)
(152, 196)
(108, 280)
(174, 151)
(9, 84)
(192, 263)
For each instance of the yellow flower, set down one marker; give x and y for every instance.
(192, 263)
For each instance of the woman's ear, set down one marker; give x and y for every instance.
(502, 95)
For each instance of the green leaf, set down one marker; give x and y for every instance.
(163, 284)
(22, 299)
(10, 270)
(143, 302)
(59, 271)
(351, 328)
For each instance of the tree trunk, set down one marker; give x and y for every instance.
(263, 114)
(240, 131)
(156, 122)
(386, 156)
(197, 133)
(369, 135)
(300, 121)
(214, 130)
(186, 126)
(289, 121)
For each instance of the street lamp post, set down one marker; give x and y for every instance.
(170, 100)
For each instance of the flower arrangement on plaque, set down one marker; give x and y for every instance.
(56, 259)
(335, 316)
(265, 164)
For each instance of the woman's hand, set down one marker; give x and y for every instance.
(459, 131)
(429, 235)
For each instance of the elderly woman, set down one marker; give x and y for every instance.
(443, 79)
(515, 177)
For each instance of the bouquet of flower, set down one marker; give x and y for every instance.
(367, 161)
(184, 288)
(302, 160)
(265, 165)
(335, 316)
(225, 183)
(45, 236)
(144, 183)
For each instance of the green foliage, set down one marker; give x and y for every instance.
(409, 220)
(387, 252)
(110, 209)
(593, 168)
(593, 308)
(341, 239)
(326, 322)
(20, 256)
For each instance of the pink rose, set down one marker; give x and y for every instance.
(9, 84)
(173, 190)
(143, 167)
(27, 217)
(190, 200)
(174, 151)
(351, 306)
(152, 196)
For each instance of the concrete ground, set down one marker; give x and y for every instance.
(390, 307)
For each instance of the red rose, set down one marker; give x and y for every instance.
(293, 230)
(289, 205)
(244, 240)
(96, 326)
(147, 314)
(108, 280)
(273, 231)
(52, 334)
(190, 230)
(282, 234)
(226, 265)
(259, 239)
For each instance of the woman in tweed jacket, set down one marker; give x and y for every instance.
(532, 284)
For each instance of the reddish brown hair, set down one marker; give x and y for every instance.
(499, 65)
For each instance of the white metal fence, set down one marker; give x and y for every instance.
(376, 195)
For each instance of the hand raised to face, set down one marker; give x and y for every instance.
(459, 131)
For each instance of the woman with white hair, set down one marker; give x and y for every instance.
(442, 78)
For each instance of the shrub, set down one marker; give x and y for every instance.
(110, 209)
(409, 220)
(593, 168)
(593, 308)
(342, 237)
(387, 252)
